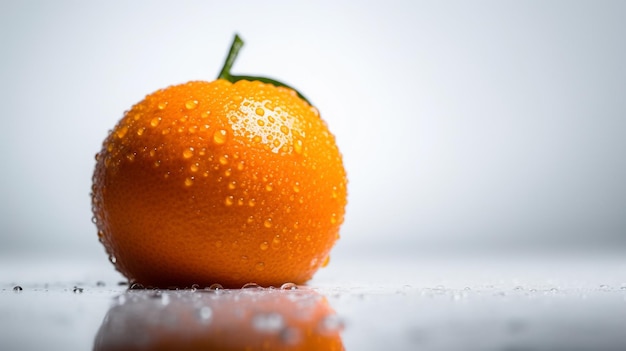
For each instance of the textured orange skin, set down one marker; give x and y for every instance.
(214, 182)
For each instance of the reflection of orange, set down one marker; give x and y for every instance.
(247, 319)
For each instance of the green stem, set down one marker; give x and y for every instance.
(230, 60)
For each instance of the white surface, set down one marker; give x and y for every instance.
(470, 303)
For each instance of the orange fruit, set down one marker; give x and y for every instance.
(219, 182)
(223, 320)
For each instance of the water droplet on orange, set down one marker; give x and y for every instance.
(232, 185)
(188, 153)
(276, 242)
(260, 122)
(229, 200)
(260, 266)
(268, 223)
(251, 202)
(259, 111)
(269, 187)
(162, 105)
(284, 129)
(189, 181)
(297, 146)
(315, 110)
(219, 137)
(264, 245)
(191, 104)
(122, 132)
(223, 160)
(155, 121)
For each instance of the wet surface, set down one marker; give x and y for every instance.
(253, 318)
(513, 303)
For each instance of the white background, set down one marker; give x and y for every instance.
(494, 125)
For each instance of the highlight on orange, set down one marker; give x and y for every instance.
(231, 181)
(243, 319)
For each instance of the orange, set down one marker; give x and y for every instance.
(222, 320)
(219, 182)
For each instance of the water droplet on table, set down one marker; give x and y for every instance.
(251, 286)
(268, 322)
(205, 314)
(289, 286)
